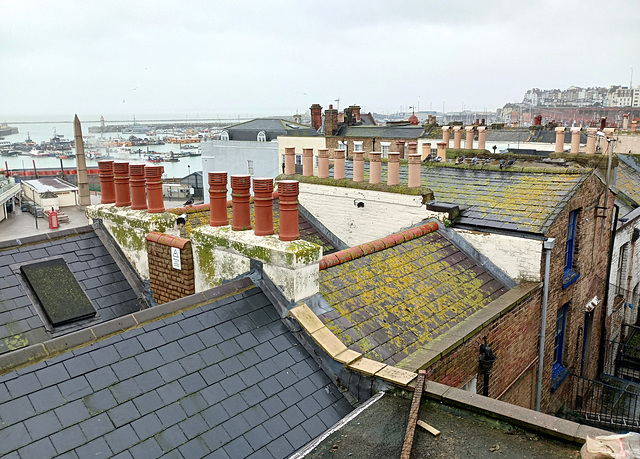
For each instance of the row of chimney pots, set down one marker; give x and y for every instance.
(140, 187)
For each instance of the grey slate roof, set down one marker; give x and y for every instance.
(226, 378)
(628, 182)
(90, 262)
(380, 132)
(499, 199)
(273, 127)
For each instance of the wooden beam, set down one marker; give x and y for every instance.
(432, 430)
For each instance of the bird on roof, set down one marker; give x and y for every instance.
(189, 202)
(460, 159)
(487, 161)
(502, 161)
(510, 162)
(474, 160)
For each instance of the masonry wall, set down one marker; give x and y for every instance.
(512, 338)
(591, 261)
(168, 283)
(368, 144)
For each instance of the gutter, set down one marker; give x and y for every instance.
(547, 247)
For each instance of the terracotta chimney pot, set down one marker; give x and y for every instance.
(426, 150)
(400, 148)
(457, 137)
(153, 175)
(442, 151)
(446, 134)
(121, 175)
(375, 172)
(107, 185)
(591, 140)
(218, 199)
(289, 160)
(415, 164)
(323, 163)
(482, 137)
(393, 168)
(412, 148)
(138, 190)
(575, 139)
(288, 191)
(559, 140)
(307, 162)
(468, 141)
(338, 164)
(240, 200)
(358, 166)
(263, 205)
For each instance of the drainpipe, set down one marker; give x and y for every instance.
(603, 331)
(546, 246)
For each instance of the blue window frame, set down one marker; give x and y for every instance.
(559, 372)
(570, 275)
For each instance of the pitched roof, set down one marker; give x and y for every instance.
(91, 264)
(273, 127)
(628, 179)
(391, 302)
(382, 132)
(507, 199)
(227, 377)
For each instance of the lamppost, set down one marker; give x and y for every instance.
(189, 175)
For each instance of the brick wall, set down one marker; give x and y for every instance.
(368, 144)
(591, 261)
(167, 282)
(513, 338)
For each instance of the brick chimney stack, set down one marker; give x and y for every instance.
(316, 116)
(355, 111)
(330, 121)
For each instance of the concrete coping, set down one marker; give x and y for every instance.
(35, 353)
(18, 242)
(352, 360)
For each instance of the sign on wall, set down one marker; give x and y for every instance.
(175, 258)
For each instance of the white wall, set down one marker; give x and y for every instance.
(233, 156)
(518, 257)
(299, 143)
(383, 213)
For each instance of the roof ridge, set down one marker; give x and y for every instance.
(378, 245)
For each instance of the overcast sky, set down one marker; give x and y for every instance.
(229, 58)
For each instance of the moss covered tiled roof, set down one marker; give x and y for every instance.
(628, 179)
(392, 302)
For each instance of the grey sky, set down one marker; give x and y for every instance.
(207, 57)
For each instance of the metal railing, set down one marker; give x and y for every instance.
(613, 405)
(622, 361)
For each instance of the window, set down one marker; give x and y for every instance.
(299, 159)
(342, 146)
(262, 136)
(384, 148)
(224, 135)
(559, 372)
(250, 166)
(622, 268)
(570, 274)
(357, 146)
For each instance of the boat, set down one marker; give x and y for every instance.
(154, 158)
(10, 152)
(37, 152)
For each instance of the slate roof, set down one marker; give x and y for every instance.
(89, 261)
(381, 132)
(200, 215)
(500, 199)
(273, 127)
(628, 179)
(550, 137)
(390, 303)
(226, 378)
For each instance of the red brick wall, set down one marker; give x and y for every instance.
(513, 338)
(168, 283)
(591, 261)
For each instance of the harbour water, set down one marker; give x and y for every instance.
(39, 132)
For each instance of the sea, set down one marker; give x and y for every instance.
(42, 131)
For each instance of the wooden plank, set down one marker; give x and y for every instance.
(413, 416)
(432, 430)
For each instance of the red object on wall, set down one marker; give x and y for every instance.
(288, 191)
(53, 219)
(240, 198)
(153, 175)
(263, 205)
(218, 199)
(121, 174)
(107, 185)
(138, 190)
